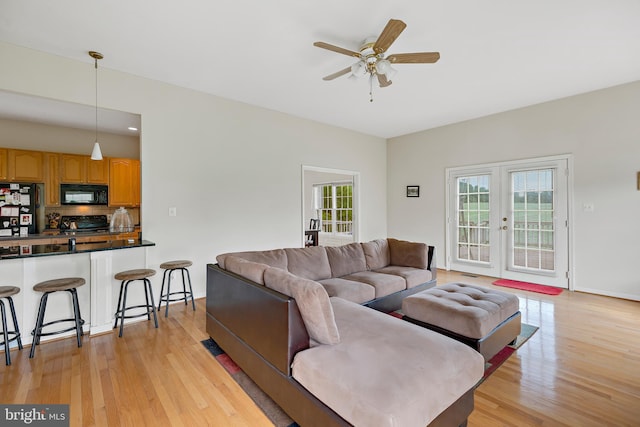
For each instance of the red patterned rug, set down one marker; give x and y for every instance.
(526, 286)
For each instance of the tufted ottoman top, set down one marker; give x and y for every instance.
(467, 310)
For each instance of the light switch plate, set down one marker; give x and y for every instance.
(173, 211)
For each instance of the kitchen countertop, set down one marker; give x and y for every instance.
(28, 251)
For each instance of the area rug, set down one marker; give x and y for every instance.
(526, 286)
(270, 408)
(526, 332)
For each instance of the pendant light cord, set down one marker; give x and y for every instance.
(96, 67)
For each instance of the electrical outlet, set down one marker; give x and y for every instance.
(173, 211)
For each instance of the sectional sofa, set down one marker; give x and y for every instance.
(300, 323)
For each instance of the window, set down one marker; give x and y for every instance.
(333, 204)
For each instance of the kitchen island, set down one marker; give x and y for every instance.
(27, 264)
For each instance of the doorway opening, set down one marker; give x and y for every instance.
(329, 207)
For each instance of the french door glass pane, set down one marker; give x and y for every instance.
(473, 218)
(533, 211)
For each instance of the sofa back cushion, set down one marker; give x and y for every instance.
(376, 253)
(408, 254)
(310, 263)
(247, 269)
(346, 259)
(274, 258)
(313, 302)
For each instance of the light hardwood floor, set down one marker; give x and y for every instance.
(581, 368)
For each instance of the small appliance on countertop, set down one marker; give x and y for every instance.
(84, 224)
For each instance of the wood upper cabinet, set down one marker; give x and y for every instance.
(98, 171)
(80, 169)
(25, 166)
(51, 179)
(4, 173)
(73, 168)
(124, 182)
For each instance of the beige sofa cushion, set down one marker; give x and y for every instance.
(376, 253)
(247, 269)
(408, 254)
(385, 371)
(413, 276)
(470, 311)
(350, 290)
(274, 258)
(384, 284)
(311, 263)
(312, 301)
(346, 259)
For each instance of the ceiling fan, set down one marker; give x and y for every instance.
(372, 60)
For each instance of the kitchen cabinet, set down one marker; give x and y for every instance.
(78, 169)
(73, 168)
(24, 165)
(124, 182)
(97, 171)
(51, 179)
(4, 173)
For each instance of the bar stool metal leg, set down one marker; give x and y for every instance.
(38, 328)
(153, 303)
(6, 292)
(76, 316)
(5, 333)
(15, 323)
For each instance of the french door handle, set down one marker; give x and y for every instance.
(504, 227)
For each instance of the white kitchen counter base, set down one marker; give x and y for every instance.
(97, 301)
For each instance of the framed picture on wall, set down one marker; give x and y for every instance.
(413, 191)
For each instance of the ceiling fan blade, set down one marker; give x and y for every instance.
(383, 81)
(389, 35)
(414, 58)
(337, 74)
(333, 48)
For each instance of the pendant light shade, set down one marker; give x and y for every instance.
(96, 154)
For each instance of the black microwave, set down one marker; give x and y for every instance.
(83, 194)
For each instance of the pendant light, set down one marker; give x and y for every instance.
(96, 154)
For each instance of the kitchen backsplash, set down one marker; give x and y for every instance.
(93, 210)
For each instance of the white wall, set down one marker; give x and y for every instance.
(602, 131)
(232, 170)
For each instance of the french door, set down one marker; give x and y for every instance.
(510, 220)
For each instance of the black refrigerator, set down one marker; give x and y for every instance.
(17, 209)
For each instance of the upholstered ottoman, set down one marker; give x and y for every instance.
(482, 318)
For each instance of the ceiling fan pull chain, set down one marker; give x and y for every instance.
(370, 87)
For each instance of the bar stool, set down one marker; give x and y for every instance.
(127, 277)
(7, 292)
(169, 267)
(69, 284)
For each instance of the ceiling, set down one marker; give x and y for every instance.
(496, 55)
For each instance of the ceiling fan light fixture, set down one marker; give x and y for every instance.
(358, 69)
(383, 66)
(391, 73)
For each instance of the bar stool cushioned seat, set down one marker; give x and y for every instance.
(169, 267)
(127, 277)
(68, 284)
(8, 292)
(483, 318)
